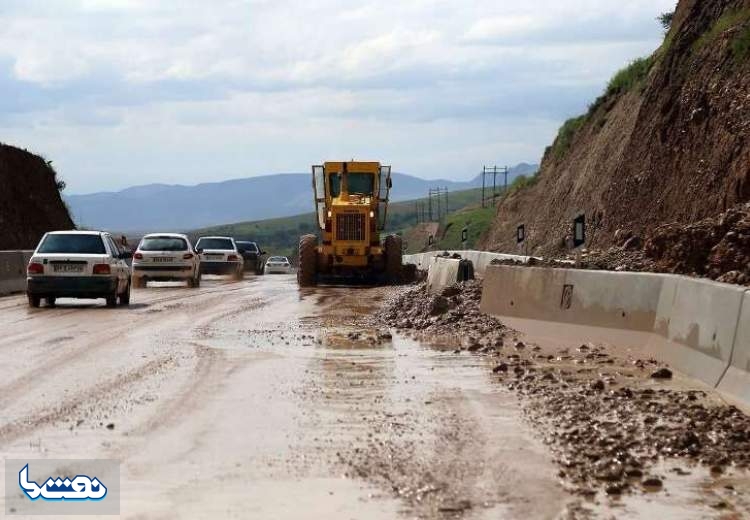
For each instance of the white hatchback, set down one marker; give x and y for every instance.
(278, 264)
(219, 255)
(166, 257)
(78, 264)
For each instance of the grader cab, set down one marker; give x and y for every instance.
(351, 206)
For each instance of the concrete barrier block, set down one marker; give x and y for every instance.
(611, 299)
(736, 381)
(13, 271)
(701, 328)
(523, 292)
(444, 272)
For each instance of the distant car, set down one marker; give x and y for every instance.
(219, 255)
(278, 264)
(78, 264)
(252, 255)
(166, 257)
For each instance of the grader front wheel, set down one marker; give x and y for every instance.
(393, 252)
(308, 261)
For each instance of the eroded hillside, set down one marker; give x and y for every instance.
(667, 142)
(30, 202)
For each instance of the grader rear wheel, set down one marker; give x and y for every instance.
(308, 261)
(393, 255)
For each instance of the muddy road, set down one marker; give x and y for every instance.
(255, 400)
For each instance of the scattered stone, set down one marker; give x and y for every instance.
(111, 426)
(652, 483)
(662, 373)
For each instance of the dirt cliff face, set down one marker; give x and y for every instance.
(30, 202)
(672, 147)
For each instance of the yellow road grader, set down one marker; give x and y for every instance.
(351, 206)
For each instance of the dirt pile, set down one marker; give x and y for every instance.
(609, 420)
(452, 317)
(669, 141)
(30, 202)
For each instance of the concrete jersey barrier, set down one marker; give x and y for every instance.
(736, 381)
(13, 271)
(444, 272)
(700, 327)
(480, 259)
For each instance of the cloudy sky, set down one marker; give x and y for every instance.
(125, 92)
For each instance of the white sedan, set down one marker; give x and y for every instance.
(78, 264)
(278, 264)
(219, 255)
(166, 257)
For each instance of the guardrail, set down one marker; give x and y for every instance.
(13, 271)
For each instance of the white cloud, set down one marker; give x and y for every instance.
(274, 84)
(502, 27)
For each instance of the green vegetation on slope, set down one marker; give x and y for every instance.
(566, 134)
(741, 41)
(476, 220)
(625, 80)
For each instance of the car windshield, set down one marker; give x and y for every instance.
(215, 243)
(73, 244)
(277, 259)
(163, 244)
(247, 247)
(360, 183)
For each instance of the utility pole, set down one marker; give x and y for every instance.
(493, 171)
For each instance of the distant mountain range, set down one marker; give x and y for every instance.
(165, 207)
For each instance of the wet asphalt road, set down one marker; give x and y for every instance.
(253, 399)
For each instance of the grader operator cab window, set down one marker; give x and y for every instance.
(360, 183)
(334, 184)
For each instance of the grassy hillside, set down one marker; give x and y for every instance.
(281, 235)
(477, 220)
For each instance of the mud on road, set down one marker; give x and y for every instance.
(627, 434)
(257, 400)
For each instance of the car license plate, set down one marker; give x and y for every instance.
(68, 268)
(215, 256)
(163, 259)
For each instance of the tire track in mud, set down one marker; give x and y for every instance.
(73, 352)
(210, 364)
(92, 399)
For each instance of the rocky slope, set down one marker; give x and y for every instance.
(668, 142)
(30, 202)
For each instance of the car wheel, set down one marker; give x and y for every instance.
(50, 301)
(125, 297)
(112, 299)
(191, 283)
(34, 301)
